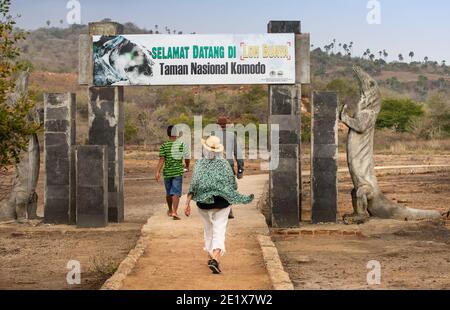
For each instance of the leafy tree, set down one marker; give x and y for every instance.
(15, 128)
(439, 111)
(347, 90)
(398, 114)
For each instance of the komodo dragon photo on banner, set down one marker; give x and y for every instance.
(367, 198)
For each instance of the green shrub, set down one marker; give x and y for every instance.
(397, 114)
(306, 128)
(130, 131)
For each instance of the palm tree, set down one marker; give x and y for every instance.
(48, 23)
(385, 55)
(381, 54)
(411, 55)
(372, 57)
(346, 49)
(426, 59)
(400, 57)
(444, 63)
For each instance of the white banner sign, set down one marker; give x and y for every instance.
(194, 59)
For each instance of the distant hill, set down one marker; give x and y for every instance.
(56, 50)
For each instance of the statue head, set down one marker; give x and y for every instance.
(370, 92)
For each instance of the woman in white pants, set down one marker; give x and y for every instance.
(214, 188)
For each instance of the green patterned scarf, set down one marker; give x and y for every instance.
(214, 177)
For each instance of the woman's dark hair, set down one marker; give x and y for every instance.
(171, 132)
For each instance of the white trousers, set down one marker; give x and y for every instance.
(215, 227)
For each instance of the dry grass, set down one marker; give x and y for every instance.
(391, 142)
(103, 265)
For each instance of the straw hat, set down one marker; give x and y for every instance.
(212, 144)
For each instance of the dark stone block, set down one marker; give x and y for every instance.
(324, 183)
(57, 125)
(112, 153)
(90, 200)
(284, 27)
(89, 173)
(325, 105)
(286, 165)
(324, 137)
(288, 150)
(329, 216)
(54, 98)
(92, 192)
(284, 198)
(56, 211)
(281, 101)
(325, 151)
(57, 113)
(57, 204)
(107, 128)
(282, 185)
(100, 133)
(324, 157)
(57, 170)
(285, 213)
(56, 139)
(289, 137)
(324, 165)
(60, 126)
(112, 175)
(90, 152)
(92, 208)
(113, 215)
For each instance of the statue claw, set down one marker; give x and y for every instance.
(352, 219)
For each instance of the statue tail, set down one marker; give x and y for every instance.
(399, 212)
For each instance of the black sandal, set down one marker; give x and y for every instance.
(214, 266)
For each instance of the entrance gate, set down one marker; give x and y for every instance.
(106, 128)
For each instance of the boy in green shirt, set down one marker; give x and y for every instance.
(171, 154)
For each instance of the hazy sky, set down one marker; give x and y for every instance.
(417, 25)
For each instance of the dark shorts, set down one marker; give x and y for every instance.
(174, 186)
(219, 203)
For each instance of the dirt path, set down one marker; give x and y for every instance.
(175, 260)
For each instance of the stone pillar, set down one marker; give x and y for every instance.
(92, 186)
(106, 127)
(324, 157)
(60, 125)
(284, 109)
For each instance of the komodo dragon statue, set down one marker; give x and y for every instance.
(21, 203)
(367, 199)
